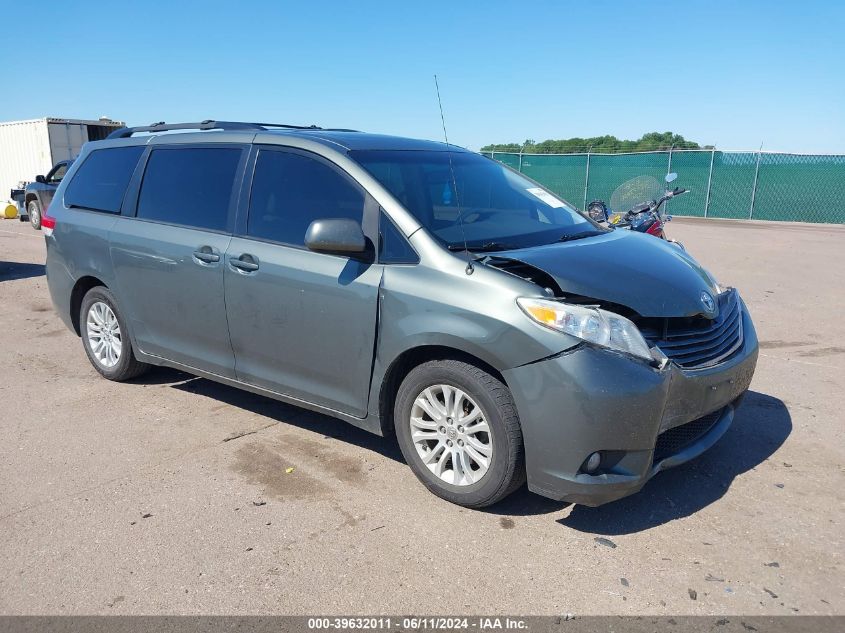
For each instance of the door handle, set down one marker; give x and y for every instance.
(206, 255)
(245, 263)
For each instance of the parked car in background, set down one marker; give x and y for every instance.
(35, 146)
(38, 195)
(408, 287)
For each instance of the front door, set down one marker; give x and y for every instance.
(302, 323)
(54, 179)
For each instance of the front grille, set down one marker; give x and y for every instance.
(697, 343)
(675, 440)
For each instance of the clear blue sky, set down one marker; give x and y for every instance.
(731, 73)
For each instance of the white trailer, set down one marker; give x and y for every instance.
(29, 148)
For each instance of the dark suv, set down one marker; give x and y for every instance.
(407, 287)
(39, 194)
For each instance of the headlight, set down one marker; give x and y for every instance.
(721, 288)
(589, 324)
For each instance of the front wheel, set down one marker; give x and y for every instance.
(33, 210)
(459, 431)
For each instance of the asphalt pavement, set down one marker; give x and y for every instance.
(173, 494)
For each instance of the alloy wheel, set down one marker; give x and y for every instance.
(104, 336)
(34, 214)
(451, 435)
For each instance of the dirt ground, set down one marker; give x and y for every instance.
(171, 494)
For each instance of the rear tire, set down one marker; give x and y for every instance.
(440, 410)
(106, 338)
(33, 210)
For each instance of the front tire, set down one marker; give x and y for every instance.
(459, 431)
(105, 337)
(33, 210)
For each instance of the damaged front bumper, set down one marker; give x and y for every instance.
(640, 419)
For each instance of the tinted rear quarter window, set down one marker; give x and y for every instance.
(189, 186)
(393, 246)
(100, 182)
(289, 191)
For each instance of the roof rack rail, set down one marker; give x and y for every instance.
(305, 127)
(208, 124)
(291, 127)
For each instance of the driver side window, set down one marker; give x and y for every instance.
(57, 174)
(289, 191)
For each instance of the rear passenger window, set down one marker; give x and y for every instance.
(289, 191)
(100, 182)
(189, 186)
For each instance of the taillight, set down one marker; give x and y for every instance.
(48, 223)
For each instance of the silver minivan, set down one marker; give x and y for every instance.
(411, 288)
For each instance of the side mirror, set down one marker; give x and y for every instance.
(336, 236)
(671, 177)
(41, 179)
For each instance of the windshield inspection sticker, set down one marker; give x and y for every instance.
(545, 196)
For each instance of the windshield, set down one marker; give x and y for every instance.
(634, 192)
(500, 209)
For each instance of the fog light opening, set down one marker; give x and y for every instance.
(593, 462)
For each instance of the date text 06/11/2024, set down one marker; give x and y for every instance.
(417, 623)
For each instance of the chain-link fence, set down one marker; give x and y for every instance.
(757, 185)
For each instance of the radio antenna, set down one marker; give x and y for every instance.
(470, 268)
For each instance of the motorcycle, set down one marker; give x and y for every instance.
(643, 217)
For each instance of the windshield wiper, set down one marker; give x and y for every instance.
(579, 236)
(477, 248)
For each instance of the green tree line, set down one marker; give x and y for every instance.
(598, 144)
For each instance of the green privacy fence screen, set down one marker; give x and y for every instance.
(741, 185)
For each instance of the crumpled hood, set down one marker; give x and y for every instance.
(642, 272)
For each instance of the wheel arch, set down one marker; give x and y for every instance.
(402, 365)
(80, 288)
(32, 196)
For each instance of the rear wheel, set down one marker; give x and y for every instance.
(459, 431)
(33, 210)
(105, 338)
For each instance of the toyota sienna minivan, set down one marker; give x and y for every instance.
(408, 287)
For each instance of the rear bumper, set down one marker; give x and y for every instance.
(590, 400)
(60, 283)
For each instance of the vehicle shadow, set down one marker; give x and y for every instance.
(10, 271)
(276, 410)
(760, 427)
(521, 503)
(162, 376)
